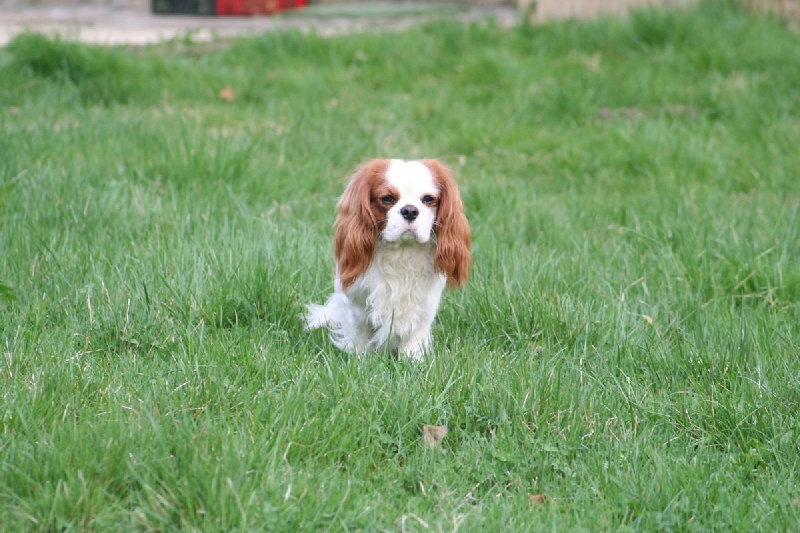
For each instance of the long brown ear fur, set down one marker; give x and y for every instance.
(356, 230)
(453, 236)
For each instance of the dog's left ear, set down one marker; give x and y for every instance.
(453, 237)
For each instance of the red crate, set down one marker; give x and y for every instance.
(256, 7)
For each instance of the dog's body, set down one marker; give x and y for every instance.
(401, 238)
(393, 304)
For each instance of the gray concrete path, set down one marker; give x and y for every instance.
(114, 26)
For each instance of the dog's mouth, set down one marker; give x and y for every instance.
(408, 235)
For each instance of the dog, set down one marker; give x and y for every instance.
(401, 237)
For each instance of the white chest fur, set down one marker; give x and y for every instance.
(399, 295)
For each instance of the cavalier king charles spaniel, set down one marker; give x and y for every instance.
(401, 236)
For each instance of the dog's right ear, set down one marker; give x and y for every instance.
(356, 227)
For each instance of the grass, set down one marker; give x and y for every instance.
(627, 346)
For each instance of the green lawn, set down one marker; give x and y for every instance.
(628, 344)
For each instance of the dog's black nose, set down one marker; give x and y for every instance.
(409, 212)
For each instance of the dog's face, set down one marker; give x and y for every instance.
(405, 203)
(396, 201)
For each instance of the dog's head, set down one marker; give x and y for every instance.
(404, 202)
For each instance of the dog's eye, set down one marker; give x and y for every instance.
(388, 199)
(428, 199)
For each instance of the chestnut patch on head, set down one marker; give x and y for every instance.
(388, 200)
(383, 198)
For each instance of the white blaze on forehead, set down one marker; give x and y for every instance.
(410, 178)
